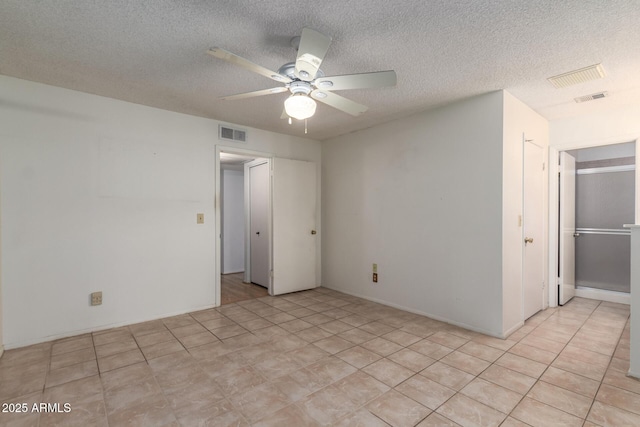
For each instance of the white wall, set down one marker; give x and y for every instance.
(422, 198)
(519, 120)
(232, 193)
(612, 127)
(100, 194)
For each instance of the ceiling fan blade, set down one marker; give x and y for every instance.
(254, 93)
(311, 51)
(339, 102)
(357, 81)
(235, 59)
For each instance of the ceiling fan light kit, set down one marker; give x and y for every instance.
(300, 106)
(304, 78)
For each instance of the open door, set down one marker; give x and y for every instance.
(567, 226)
(259, 204)
(294, 226)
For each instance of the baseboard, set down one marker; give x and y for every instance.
(633, 374)
(421, 313)
(232, 272)
(99, 328)
(512, 330)
(603, 295)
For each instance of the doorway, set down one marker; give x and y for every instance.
(595, 250)
(235, 279)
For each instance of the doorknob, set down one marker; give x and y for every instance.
(528, 240)
(257, 232)
(313, 231)
(576, 234)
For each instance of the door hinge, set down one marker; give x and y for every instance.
(271, 273)
(543, 165)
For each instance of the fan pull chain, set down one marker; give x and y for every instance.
(305, 126)
(289, 120)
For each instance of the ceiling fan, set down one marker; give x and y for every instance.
(306, 81)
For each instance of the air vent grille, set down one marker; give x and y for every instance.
(591, 97)
(231, 134)
(582, 75)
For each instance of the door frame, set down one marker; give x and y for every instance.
(554, 169)
(219, 148)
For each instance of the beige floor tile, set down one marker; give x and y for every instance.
(570, 381)
(492, 395)
(411, 359)
(67, 345)
(465, 362)
(607, 415)
(119, 360)
(312, 334)
(155, 338)
(115, 348)
(360, 418)
(355, 320)
(178, 321)
(512, 422)
(436, 420)
(358, 357)
(228, 331)
(74, 391)
(538, 414)
(565, 400)
(290, 415)
(327, 405)
(296, 325)
(238, 380)
(388, 372)
(152, 411)
(254, 325)
(19, 419)
(425, 391)
(185, 331)
(402, 338)
(72, 358)
(595, 372)
(447, 375)
(508, 378)
(333, 344)
(381, 346)
(397, 409)
(335, 326)
(356, 336)
(493, 342)
(71, 373)
(85, 411)
(162, 349)
(543, 343)
(619, 379)
(145, 328)
(112, 335)
(126, 375)
(198, 339)
(431, 349)
(277, 366)
(331, 369)
(533, 353)
(619, 398)
(469, 412)
(360, 388)
(447, 340)
(376, 328)
(521, 364)
(481, 351)
(260, 401)
(307, 355)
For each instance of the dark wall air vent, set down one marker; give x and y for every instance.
(230, 134)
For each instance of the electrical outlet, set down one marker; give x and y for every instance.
(375, 277)
(96, 298)
(200, 218)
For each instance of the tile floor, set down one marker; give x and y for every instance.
(324, 358)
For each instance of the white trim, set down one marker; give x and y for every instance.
(101, 328)
(604, 295)
(421, 313)
(231, 272)
(515, 328)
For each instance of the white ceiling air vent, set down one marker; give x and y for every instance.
(582, 75)
(591, 97)
(230, 134)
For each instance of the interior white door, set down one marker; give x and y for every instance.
(567, 224)
(533, 223)
(294, 226)
(259, 207)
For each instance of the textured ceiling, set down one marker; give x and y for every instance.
(153, 52)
